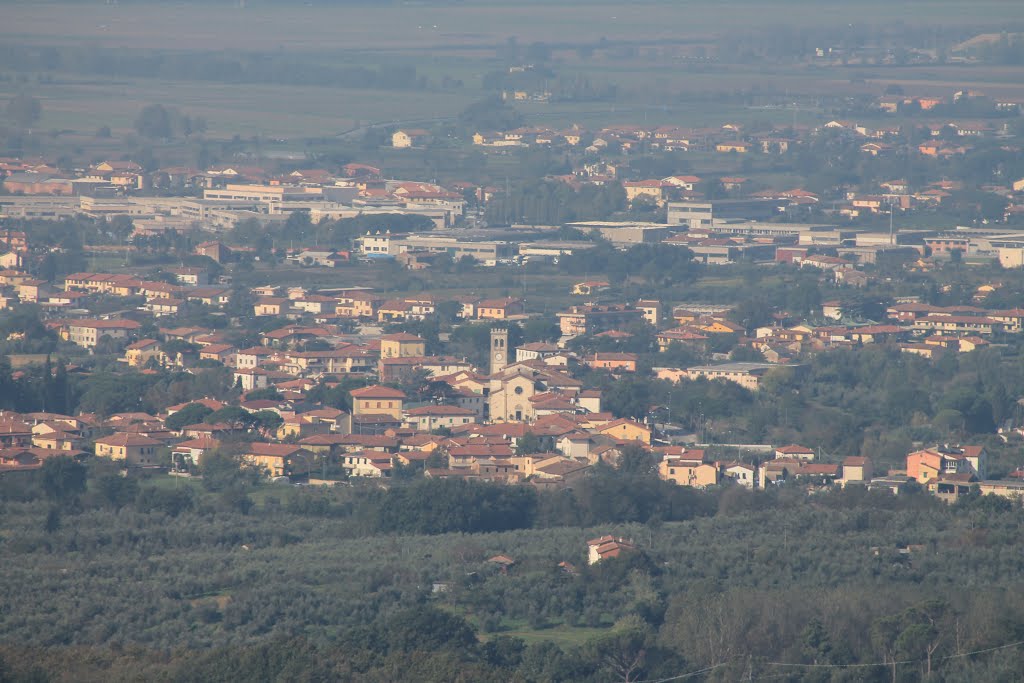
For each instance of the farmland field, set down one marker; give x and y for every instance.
(246, 110)
(453, 47)
(410, 27)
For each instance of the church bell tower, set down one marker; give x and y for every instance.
(499, 349)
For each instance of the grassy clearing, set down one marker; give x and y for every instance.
(562, 635)
(165, 481)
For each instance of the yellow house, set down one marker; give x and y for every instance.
(626, 430)
(10, 260)
(278, 459)
(359, 305)
(377, 400)
(270, 306)
(298, 426)
(720, 327)
(499, 309)
(651, 311)
(57, 441)
(133, 449)
(403, 139)
(402, 345)
(139, 353)
(653, 189)
(589, 287)
(688, 472)
(738, 147)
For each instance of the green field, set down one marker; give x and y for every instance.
(432, 27)
(460, 42)
(246, 110)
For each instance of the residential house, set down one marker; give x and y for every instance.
(607, 547)
(951, 487)
(741, 473)
(88, 333)
(429, 418)
(274, 306)
(499, 309)
(377, 400)
(411, 137)
(945, 460)
(625, 429)
(132, 449)
(689, 469)
(794, 452)
(278, 460)
(653, 190)
(589, 287)
(590, 319)
(614, 362)
(214, 250)
(536, 351)
(856, 469)
(747, 375)
(189, 453)
(139, 353)
(651, 311)
(402, 345)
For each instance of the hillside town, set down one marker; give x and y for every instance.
(490, 341)
(329, 393)
(323, 384)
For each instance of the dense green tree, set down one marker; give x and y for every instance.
(193, 413)
(63, 478)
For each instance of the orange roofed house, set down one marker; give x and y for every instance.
(133, 449)
(607, 360)
(943, 461)
(626, 430)
(689, 469)
(499, 309)
(377, 400)
(402, 345)
(278, 459)
(607, 546)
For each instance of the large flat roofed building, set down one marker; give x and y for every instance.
(805, 233)
(693, 215)
(900, 237)
(44, 207)
(625, 232)
(262, 193)
(552, 249)
(1009, 248)
(386, 244)
(703, 214)
(731, 253)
